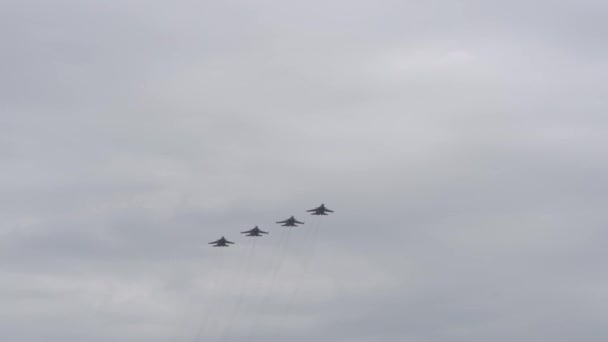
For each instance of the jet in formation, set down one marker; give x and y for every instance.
(221, 242)
(254, 232)
(290, 222)
(321, 210)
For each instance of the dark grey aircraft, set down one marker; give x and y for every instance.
(320, 210)
(220, 243)
(254, 232)
(290, 222)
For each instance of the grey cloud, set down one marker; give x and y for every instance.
(461, 145)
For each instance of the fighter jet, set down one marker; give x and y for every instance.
(290, 222)
(254, 232)
(220, 243)
(320, 210)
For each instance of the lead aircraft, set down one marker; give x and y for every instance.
(321, 210)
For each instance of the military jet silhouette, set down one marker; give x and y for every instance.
(321, 210)
(290, 222)
(254, 232)
(220, 243)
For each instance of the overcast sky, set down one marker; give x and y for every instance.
(462, 145)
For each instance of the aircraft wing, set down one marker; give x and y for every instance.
(315, 209)
(298, 222)
(285, 221)
(229, 242)
(211, 243)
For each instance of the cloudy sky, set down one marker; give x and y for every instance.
(462, 145)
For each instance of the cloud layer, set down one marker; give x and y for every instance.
(461, 145)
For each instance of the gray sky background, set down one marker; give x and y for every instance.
(462, 145)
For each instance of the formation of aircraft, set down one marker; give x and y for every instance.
(290, 222)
